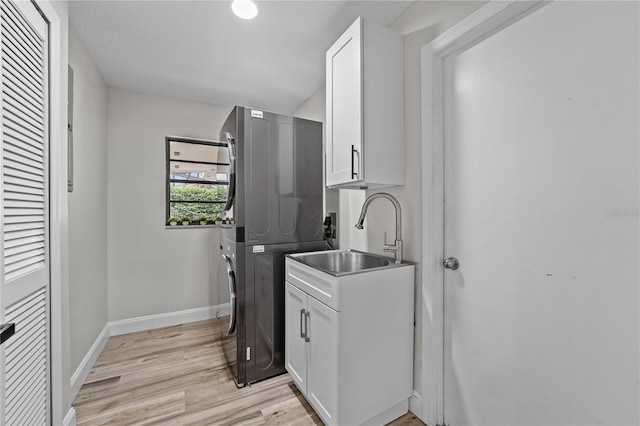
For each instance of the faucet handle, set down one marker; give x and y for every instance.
(387, 246)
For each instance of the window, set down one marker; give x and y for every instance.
(197, 178)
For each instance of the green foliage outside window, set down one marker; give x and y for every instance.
(196, 209)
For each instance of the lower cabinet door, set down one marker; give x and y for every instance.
(322, 375)
(295, 352)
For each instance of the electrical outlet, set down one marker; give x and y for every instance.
(330, 227)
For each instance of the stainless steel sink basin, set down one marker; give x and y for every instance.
(343, 262)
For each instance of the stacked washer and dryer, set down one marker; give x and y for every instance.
(276, 196)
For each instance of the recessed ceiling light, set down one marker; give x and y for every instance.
(245, 9)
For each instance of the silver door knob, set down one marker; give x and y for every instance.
(451, 263)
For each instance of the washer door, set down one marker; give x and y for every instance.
(231, 280)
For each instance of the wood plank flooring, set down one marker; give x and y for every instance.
(178, 376)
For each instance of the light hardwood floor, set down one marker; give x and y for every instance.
(177, 376)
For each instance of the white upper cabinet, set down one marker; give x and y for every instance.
(365, 108)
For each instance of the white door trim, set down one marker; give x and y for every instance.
(57, 210)
(478, 26)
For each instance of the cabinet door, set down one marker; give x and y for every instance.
(295, 353)
(344, 107)
(322, 386)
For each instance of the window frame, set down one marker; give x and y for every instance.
(168, 180)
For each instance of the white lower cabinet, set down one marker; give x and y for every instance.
(351, 356)
(312, 345)
(295, 346)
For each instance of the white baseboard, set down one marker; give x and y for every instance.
(150, 322)
(70, 418)
(132, 325)
(81, 373)
(390, 414)
(415, 405)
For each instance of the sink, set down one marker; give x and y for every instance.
(343, 262)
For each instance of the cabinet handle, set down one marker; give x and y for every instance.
(354, 175)
(302, 317)
(306, 326)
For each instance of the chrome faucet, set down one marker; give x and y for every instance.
(397, 247)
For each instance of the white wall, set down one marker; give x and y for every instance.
(87, 204)
(314, 107)
(350, 206)
(153, 270)
(420, 23)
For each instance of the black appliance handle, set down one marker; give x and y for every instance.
(231, 193)
(231, 277)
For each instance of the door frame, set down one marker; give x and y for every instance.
(59, 345)
(485, 22)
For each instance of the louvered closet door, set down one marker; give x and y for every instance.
(24, 289)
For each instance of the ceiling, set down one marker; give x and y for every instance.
(199, 50)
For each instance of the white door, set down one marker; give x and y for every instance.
(24, 289)
(295, 351)
(541, 209)
(322, 375)
(344, 107)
